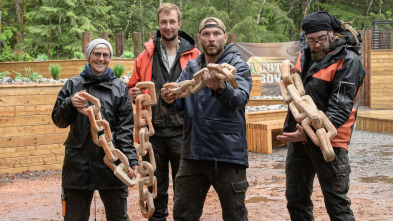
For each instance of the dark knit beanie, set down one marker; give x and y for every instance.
(319, 21)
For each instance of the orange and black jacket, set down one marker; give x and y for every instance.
(334, 84)
(149, 66)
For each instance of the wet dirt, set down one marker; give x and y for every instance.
(36, 195)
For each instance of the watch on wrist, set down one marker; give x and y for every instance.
(222, 88)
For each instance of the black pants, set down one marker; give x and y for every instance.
(302, 163)
(193, 181)
(79, 201)
(166, 149)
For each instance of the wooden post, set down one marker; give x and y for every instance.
(151, 34)
(86, 39)
(367, 48)
(198, 44)
(232, 38)
(137, 39)
(119, 44)
(104, 35)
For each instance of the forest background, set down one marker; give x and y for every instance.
(30, 29)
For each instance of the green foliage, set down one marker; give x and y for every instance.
(127, 54)
(78, 55)
(55, 70)
(56, 27)
(118, 69)
(18, 55)
(6, 35)
(3, 74)
(28, 75)
(81, 69)
(42, 57)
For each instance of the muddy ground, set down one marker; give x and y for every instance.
(36, 195)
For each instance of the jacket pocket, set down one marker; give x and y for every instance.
(341, 170)
(346, 94)
(223, 140)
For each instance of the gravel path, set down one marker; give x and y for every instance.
(36, 195)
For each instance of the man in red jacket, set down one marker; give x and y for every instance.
(166, 55)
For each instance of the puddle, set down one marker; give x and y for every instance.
(377, 179)
(3, 184)
(259, 199)
(386, 154)
(390, 146)
(279, 166)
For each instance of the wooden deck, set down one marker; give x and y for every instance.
(375, 120)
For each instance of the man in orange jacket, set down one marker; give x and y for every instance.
(166, 55)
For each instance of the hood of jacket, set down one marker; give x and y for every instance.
(186, 41)
(89, 76)
(229, 49)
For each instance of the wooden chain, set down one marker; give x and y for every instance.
(184, 88)
(105, 140)
(144, 129)
(305, 111)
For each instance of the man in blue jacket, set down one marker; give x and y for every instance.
(214, 148)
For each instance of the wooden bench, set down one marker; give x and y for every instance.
(259, 135)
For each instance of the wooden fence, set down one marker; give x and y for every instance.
(381, 78)
(28, 138)
(70, 68)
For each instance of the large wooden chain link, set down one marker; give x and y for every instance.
(305, 111)
(223, 72)
(105, 140)
(144, 129)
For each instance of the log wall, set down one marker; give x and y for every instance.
(381, 87)
(70, 68)
(28, 138)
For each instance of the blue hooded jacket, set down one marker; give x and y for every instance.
(214, 124)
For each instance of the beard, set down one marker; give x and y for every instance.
(319, 55)
(173, 37)
(212, 53)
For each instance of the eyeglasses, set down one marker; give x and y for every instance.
(322, 39)
(98, 55)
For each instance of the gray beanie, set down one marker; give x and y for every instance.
(94, 43)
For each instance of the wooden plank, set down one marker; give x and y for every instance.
(256, 86)
(375, 120)
(30, 130)
(29, 90)
(28, 100)
(267, 102)
(266, 115)
(36, 150)
(13, 111)
(25, 120)
(27, 140)
(16, 162)
(54, 166)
